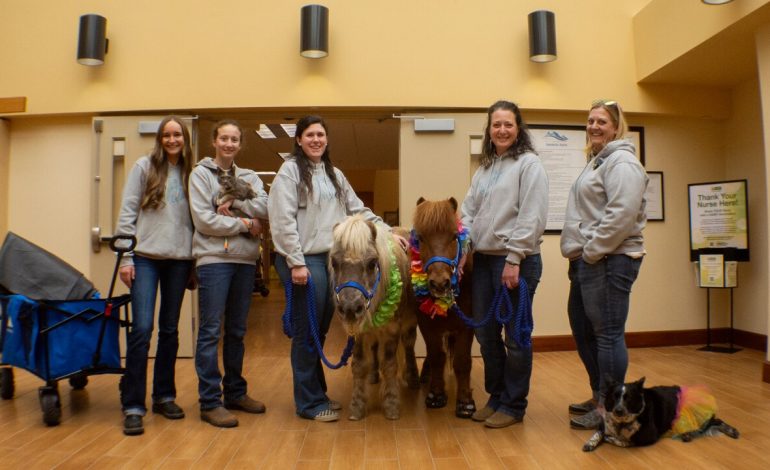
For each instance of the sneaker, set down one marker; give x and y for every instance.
(247, 404)
(501, 420)
(334, 405)
(168, 409)
(483, 414)
(325, 416)
(219, 417)
(590, 420)
(132, 425)
(582, 408)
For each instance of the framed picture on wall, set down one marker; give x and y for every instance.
(562, 152)
(390, 218)
(654, 195)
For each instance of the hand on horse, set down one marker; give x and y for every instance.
(461, 265)
(403, 242)
(256, 227)
(300, 275)
(510, 275)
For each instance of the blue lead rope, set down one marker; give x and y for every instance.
(519, 324)
(314, 340)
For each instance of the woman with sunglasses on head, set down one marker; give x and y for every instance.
(155, 209)
(602, 238)
(505, 209)
(308, 197)
(226, 248)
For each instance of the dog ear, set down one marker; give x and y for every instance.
(420, 201)
(641, 382)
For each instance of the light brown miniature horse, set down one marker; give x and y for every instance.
(437, 247)
(370, 275)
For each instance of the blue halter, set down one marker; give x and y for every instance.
(368, 295)
(441, 259)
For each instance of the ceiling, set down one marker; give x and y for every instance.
(725, 60)
(359, 141)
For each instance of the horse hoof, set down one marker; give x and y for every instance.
(436, 400)
(413, 383)
(465, 410)
(355, 417)
(392, 415)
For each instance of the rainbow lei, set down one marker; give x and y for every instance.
(428, 304)
(388, 305)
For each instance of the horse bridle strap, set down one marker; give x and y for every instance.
(368, 295)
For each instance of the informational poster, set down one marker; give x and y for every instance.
(719, 219)
(731, 274)
(712, 270)
(562, 151)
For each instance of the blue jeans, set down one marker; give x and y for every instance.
(172, 275)
(224, 292)
(598, 308)
(507, 367)
(309, 381)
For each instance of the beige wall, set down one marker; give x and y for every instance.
(744, 158)
(243, 53)
(385, 191)
(5, 157)
(763, 66)
(686, 150)
(49, 188)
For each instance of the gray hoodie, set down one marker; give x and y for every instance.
(162, 233)
(506, 207)
(605, 213)
(302, 223)
(218, 238)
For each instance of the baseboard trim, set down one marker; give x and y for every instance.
(651, 339)
(766, 372)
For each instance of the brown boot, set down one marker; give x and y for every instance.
(247, 404)
(219, 417)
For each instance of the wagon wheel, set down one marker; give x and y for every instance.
(6, 383)
(51, 406)
(79, 382)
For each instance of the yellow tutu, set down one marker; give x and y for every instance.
(695, 408)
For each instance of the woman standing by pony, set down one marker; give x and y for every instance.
(226, 249)
(506, 209)
(602, 238)
(308, 197)
(155, 210)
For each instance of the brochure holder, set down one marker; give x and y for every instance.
(716, 273)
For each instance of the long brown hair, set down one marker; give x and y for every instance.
(303, 162)
(155, 189)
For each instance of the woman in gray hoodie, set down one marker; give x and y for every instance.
(308, 197)
(155, 210)
(506, 209)
(602, 238)
(226, 248)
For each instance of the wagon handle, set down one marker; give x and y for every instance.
(120, 250)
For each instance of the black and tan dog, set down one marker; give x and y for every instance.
(639, 416)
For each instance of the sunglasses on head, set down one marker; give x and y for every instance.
(604, 103)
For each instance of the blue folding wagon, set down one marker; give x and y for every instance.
(56, 339)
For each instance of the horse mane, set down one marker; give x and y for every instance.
(353, 236)
(434, 217)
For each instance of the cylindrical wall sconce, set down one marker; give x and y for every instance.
(716, 2)
(92, 40)
(542, 36)
(314, 32)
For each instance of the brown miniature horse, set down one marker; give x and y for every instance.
(370, 274)
(437, 247)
